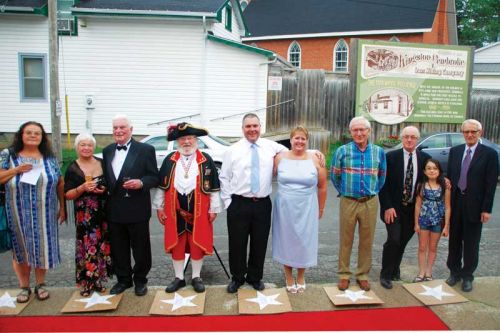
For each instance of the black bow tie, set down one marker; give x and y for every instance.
(121, 147)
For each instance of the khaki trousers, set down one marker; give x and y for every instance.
(364, 214)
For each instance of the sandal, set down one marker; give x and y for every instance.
(291, 289)
(418, 279)
(40, 291)
(24, 295)
(301, 287)
(100, 289)
(428, 278)
(85, 292)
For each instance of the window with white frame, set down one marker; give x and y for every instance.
(340, 56)
(294, 54)
(32, 77)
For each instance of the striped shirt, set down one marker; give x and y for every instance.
(356, 173)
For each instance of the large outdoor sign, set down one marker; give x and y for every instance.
(399, 82)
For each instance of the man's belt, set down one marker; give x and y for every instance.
(360, 199)
(187, 216)
(253, 199)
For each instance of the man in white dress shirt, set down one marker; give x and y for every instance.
(245, 178)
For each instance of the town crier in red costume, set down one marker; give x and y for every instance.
(187, 202)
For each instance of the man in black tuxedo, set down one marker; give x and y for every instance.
(473, 172)
(397, 202)
(130, 172)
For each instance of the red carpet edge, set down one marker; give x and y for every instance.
(409, 318)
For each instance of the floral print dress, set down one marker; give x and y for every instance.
(92, 257)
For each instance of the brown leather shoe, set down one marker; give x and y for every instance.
(343, 284)
(363, 284)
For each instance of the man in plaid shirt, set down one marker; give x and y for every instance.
(358, 173)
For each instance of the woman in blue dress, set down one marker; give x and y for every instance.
(34, 205)
(298, 206)
(432, 217)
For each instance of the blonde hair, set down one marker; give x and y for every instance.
(84, 137)
(299, 128)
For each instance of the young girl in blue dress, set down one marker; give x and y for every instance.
(432, 217)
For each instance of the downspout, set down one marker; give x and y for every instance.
(204, 70)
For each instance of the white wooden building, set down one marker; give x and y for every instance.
(152, 60)
(487, 67)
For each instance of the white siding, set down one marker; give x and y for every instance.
(486, 82)
(20, 34)
(488, 55)
(237, 84)
(147, 69)
(153, 71)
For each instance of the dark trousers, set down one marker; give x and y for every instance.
(126, 236)
(464, 241)
(399, 234)
(248, 219)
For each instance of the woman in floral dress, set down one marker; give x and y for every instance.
(84, 185)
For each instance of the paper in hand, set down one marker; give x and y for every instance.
(31, 177)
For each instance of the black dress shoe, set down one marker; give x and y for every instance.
(233, 286)
(175, 285)
(198, 285)
(258, 285)
(119, 288)
(452, 280)
(141, 289)
(387, 284)
(467, 286)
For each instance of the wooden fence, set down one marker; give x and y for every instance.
(324, 103)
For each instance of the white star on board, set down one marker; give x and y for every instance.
(178, 301)
(354, 295)
(436, 292)
(95, 299)
(7, 301)
(264, 300)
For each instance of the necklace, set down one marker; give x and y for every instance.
(188, 166)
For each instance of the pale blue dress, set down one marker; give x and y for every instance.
(295, 214)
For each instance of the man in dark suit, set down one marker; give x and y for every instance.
(473, 172)
(130, 172)
(397, 202)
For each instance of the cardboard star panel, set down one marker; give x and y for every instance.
(181, 303)
(8, 304)
(434, 292)
(95, 302)
(352, 296)
(267, 301)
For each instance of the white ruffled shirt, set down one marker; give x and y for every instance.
(185, 185)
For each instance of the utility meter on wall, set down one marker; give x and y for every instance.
(90, 101)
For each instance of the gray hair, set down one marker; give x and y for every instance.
(84, 137)
(250, 115)
(359, 119)
(122, 117)
(407, 128)
(474, 122)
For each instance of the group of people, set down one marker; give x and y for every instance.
(113, 205)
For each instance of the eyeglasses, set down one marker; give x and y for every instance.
(36, 133)
(470, 132)
(412, 137)
(359, 130)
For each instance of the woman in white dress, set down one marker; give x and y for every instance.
(298, 206)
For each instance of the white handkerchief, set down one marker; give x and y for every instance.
(31, 177)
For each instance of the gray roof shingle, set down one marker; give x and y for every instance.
(487, 68)
(294, 17)
(210, 6)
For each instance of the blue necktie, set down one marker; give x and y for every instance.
(254, 176)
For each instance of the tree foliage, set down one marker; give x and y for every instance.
(478, 22)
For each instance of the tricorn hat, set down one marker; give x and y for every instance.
(182, 129)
